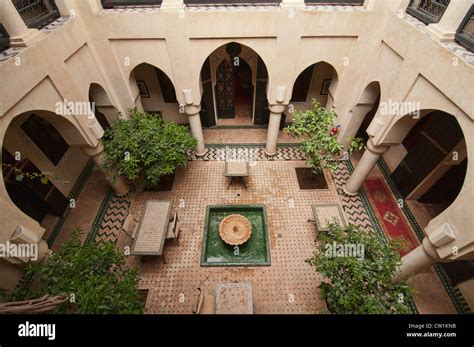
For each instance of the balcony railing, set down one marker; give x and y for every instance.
(4, 39)
(231, 2)
(335, 2)
(37, 13)
(113, 3)
(428, 11)
(465, 32)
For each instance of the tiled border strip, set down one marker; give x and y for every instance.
(455, 295)
(250, 126)
(99, 217)
(375, 223)
(73, 194)
(216, 152)
(255, 145)
(25, 281)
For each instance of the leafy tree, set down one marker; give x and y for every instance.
(95, 274)
(144, 148)
(361, 285)
(320, 146)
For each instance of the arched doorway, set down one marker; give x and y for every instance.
(364, 111)
(156, 92)
(234, 81)
(433, 169)
(317, 81)
(102, 106)
(431, 174)
(35, 143)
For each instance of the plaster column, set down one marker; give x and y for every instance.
(20, 34)
(196, 129)
(452, 17)
(116, 182)
(363, 168)
(273, 128)
(192, 110)
(417, 260)
(25, 236)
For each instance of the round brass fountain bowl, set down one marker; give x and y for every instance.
(235, 229)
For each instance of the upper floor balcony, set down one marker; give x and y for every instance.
(448, 21)
(118, 3)
(428, 11)
(37, 13)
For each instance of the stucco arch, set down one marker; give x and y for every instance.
(133, 82)
(100, 95)
(301, 68)
(321, 70)
(365, 109)
(403, 126)
(12, 215)
(369, 93)
(166, 70)
(219, 44)
(104, 109)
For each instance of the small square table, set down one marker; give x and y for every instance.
(236, 170)
(324, 214)
(234, 298)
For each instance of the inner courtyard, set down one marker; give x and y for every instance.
(151, 122)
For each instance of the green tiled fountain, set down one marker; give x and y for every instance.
(254, 252)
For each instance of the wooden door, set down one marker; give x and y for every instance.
(262, 114)
(225, 90)
(207, 101)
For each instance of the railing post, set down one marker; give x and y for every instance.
(20, 34)
(172, 5)
(446, 28)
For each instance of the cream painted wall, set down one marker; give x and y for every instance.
(321, 72)
(369, 44)
(156, 102)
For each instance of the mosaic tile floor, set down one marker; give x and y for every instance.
(240, 134)
(289, 285)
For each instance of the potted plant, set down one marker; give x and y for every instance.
(144, 149)
(318, 133)
(358, 267)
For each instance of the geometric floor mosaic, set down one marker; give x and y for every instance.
(289, 285)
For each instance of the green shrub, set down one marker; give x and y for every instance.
(95, 276)
(360, 284)
(313, 128)
(144, 148)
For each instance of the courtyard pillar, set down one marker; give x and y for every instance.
(417, 260)
(273, 128)
(363, 168)
(20, 34)
(116, 182)
(194, 119)
(452, 17)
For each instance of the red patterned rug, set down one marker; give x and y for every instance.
(389, 215)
